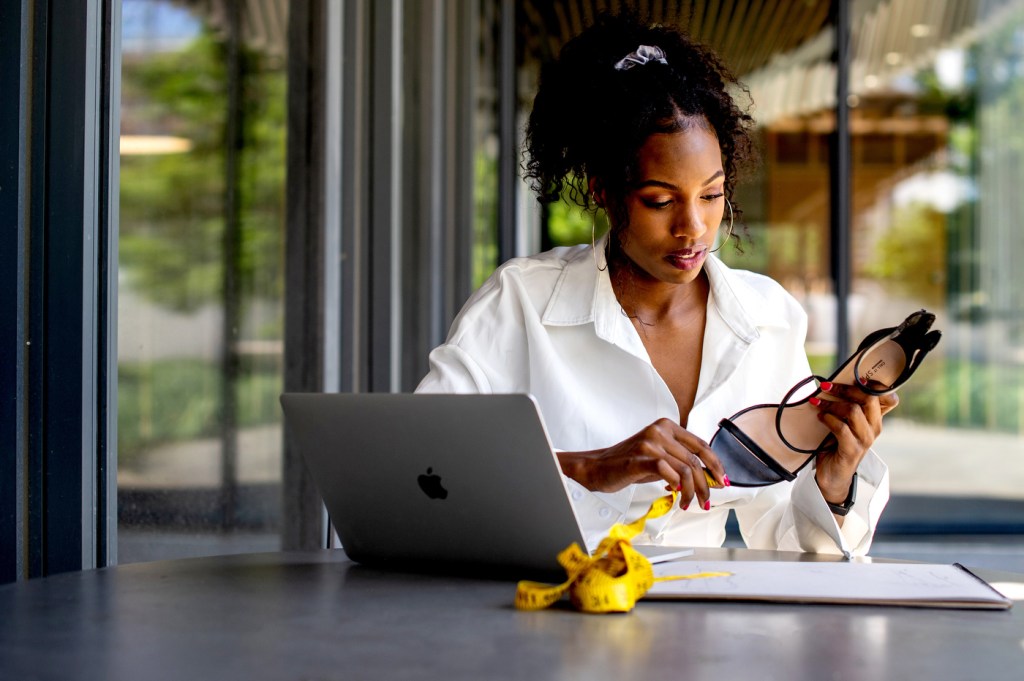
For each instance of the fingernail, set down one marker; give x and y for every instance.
(679, 487)
(686, 505)
(814, 400)
(826, 386)
(707, 505)
(862, 380)
(725, 479)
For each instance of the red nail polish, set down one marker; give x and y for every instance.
(707, 505)
(862, 380)
(725, 479)
(814, 400)
(686, 506)
(826, 386)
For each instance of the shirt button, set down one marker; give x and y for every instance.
(577, 494)
(605, 513)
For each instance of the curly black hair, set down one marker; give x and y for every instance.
(590, 120)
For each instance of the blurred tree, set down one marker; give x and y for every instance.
(204, 227)
(172, 205)
(911, 256)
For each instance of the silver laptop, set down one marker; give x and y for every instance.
(418, 479)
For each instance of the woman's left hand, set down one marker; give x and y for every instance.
(855, 418)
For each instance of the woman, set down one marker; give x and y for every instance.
(636, 346)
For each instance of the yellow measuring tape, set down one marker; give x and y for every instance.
(613, 579)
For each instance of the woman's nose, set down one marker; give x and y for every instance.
(689, 223)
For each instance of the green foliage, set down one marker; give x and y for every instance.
(910, 258)
(178, 400)
(173, 207)
(173, 217)
(485, 213)
(964, 393)
(568, 224)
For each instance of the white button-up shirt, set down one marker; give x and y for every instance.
(550, 325)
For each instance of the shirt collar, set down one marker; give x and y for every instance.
(584, 294)
(743, 307)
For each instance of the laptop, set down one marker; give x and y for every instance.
(428, 480)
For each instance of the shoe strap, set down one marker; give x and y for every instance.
(785, 403)
(931, 340)
(927, 342)
(864, 351)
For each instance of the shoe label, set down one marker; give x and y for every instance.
(878, 366)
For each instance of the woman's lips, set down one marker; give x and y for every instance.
(687, 258)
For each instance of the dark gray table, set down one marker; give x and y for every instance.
(315, 616)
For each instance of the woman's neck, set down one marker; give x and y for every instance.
(656, 302)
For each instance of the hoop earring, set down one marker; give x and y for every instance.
(593, 244)
(729, 235)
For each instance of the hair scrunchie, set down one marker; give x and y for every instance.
(642, 55)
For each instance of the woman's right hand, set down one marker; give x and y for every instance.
(664, 450)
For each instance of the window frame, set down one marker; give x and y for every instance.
(59, 278)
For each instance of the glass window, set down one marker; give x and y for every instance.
(200, 281)
(937, 163)
(936, 225)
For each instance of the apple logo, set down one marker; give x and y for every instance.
(431, 485)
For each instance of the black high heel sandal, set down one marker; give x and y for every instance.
(769, 443)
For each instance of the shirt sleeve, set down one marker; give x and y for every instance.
(793, 516)
(596, 512)
(453, 370)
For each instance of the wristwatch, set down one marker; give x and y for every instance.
(844, 508)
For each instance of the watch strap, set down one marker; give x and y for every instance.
(844, 508)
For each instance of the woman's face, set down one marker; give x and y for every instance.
(676, 206)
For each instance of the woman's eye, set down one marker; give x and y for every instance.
(712, 197)
(655, 204)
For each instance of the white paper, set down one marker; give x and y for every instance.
(920, 584)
